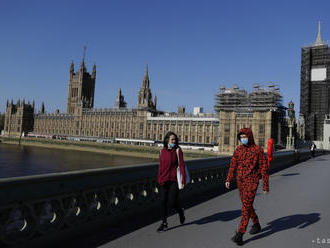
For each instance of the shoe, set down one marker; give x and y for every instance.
(181, 216)
(256, 228)
(162, 227)
(238, 238)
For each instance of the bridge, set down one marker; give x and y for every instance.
(294, 214)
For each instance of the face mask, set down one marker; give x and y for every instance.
(171, 145)
(244, 141)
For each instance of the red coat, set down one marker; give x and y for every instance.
(249, 162)
(270, 150)
(168, 163)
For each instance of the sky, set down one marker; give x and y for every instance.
(192, 48)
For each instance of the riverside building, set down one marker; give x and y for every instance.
(141, 125)
(262, 110)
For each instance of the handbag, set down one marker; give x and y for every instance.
(178, 172)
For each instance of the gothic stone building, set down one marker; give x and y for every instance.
(261, 110)
(315, 87)
(142, 123)
(19, 118)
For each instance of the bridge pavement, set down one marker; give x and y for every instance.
(296, 213)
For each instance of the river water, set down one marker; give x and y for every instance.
(28, 160)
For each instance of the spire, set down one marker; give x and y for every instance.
(146, 81)
(42, 108)
(82, 65)
(319, 41)
(94, 71)
(71, 67)
(120, 102)
(155, 101)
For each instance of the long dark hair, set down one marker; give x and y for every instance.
(167, 137)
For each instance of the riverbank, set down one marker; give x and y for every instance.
(105, 148)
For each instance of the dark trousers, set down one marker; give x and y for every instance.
(169, 195)
(313, 153)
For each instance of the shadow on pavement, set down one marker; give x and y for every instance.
(290, 174)
(298, 221)
(222, 216)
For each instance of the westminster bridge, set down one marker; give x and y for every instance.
(118, 207)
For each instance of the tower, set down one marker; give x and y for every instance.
(120, 102)
(81, 87)
(145, 96)
(290, 139)
(314, 90)
(19, 118)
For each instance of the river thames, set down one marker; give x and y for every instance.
(18, 160)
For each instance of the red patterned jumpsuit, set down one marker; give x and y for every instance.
(249, 163)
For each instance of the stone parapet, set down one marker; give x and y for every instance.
(45, 207)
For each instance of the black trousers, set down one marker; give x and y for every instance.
(169, 195)
(313, 153)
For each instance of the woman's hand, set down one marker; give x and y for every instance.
(227, 184)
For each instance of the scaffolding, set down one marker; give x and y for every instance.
(236, 99)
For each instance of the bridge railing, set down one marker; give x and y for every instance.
(44, 206)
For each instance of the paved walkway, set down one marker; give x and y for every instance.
(296, 213)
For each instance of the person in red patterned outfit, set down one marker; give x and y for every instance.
(249, 163)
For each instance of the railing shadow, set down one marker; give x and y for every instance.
(298, 221)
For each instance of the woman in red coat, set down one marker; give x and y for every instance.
(169, 191)
(249, 163)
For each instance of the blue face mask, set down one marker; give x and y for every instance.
(171, 145)
(244, 141)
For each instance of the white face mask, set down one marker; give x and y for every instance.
(244, 141)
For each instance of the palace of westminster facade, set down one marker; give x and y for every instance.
(235, 108)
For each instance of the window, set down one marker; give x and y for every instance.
(227, 127)
(261, 129)
(226, 140)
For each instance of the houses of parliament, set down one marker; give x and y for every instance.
(234, 108)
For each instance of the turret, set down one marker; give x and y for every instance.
(71, 69)
(94, 71)
(42, 108)
(155, 101)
